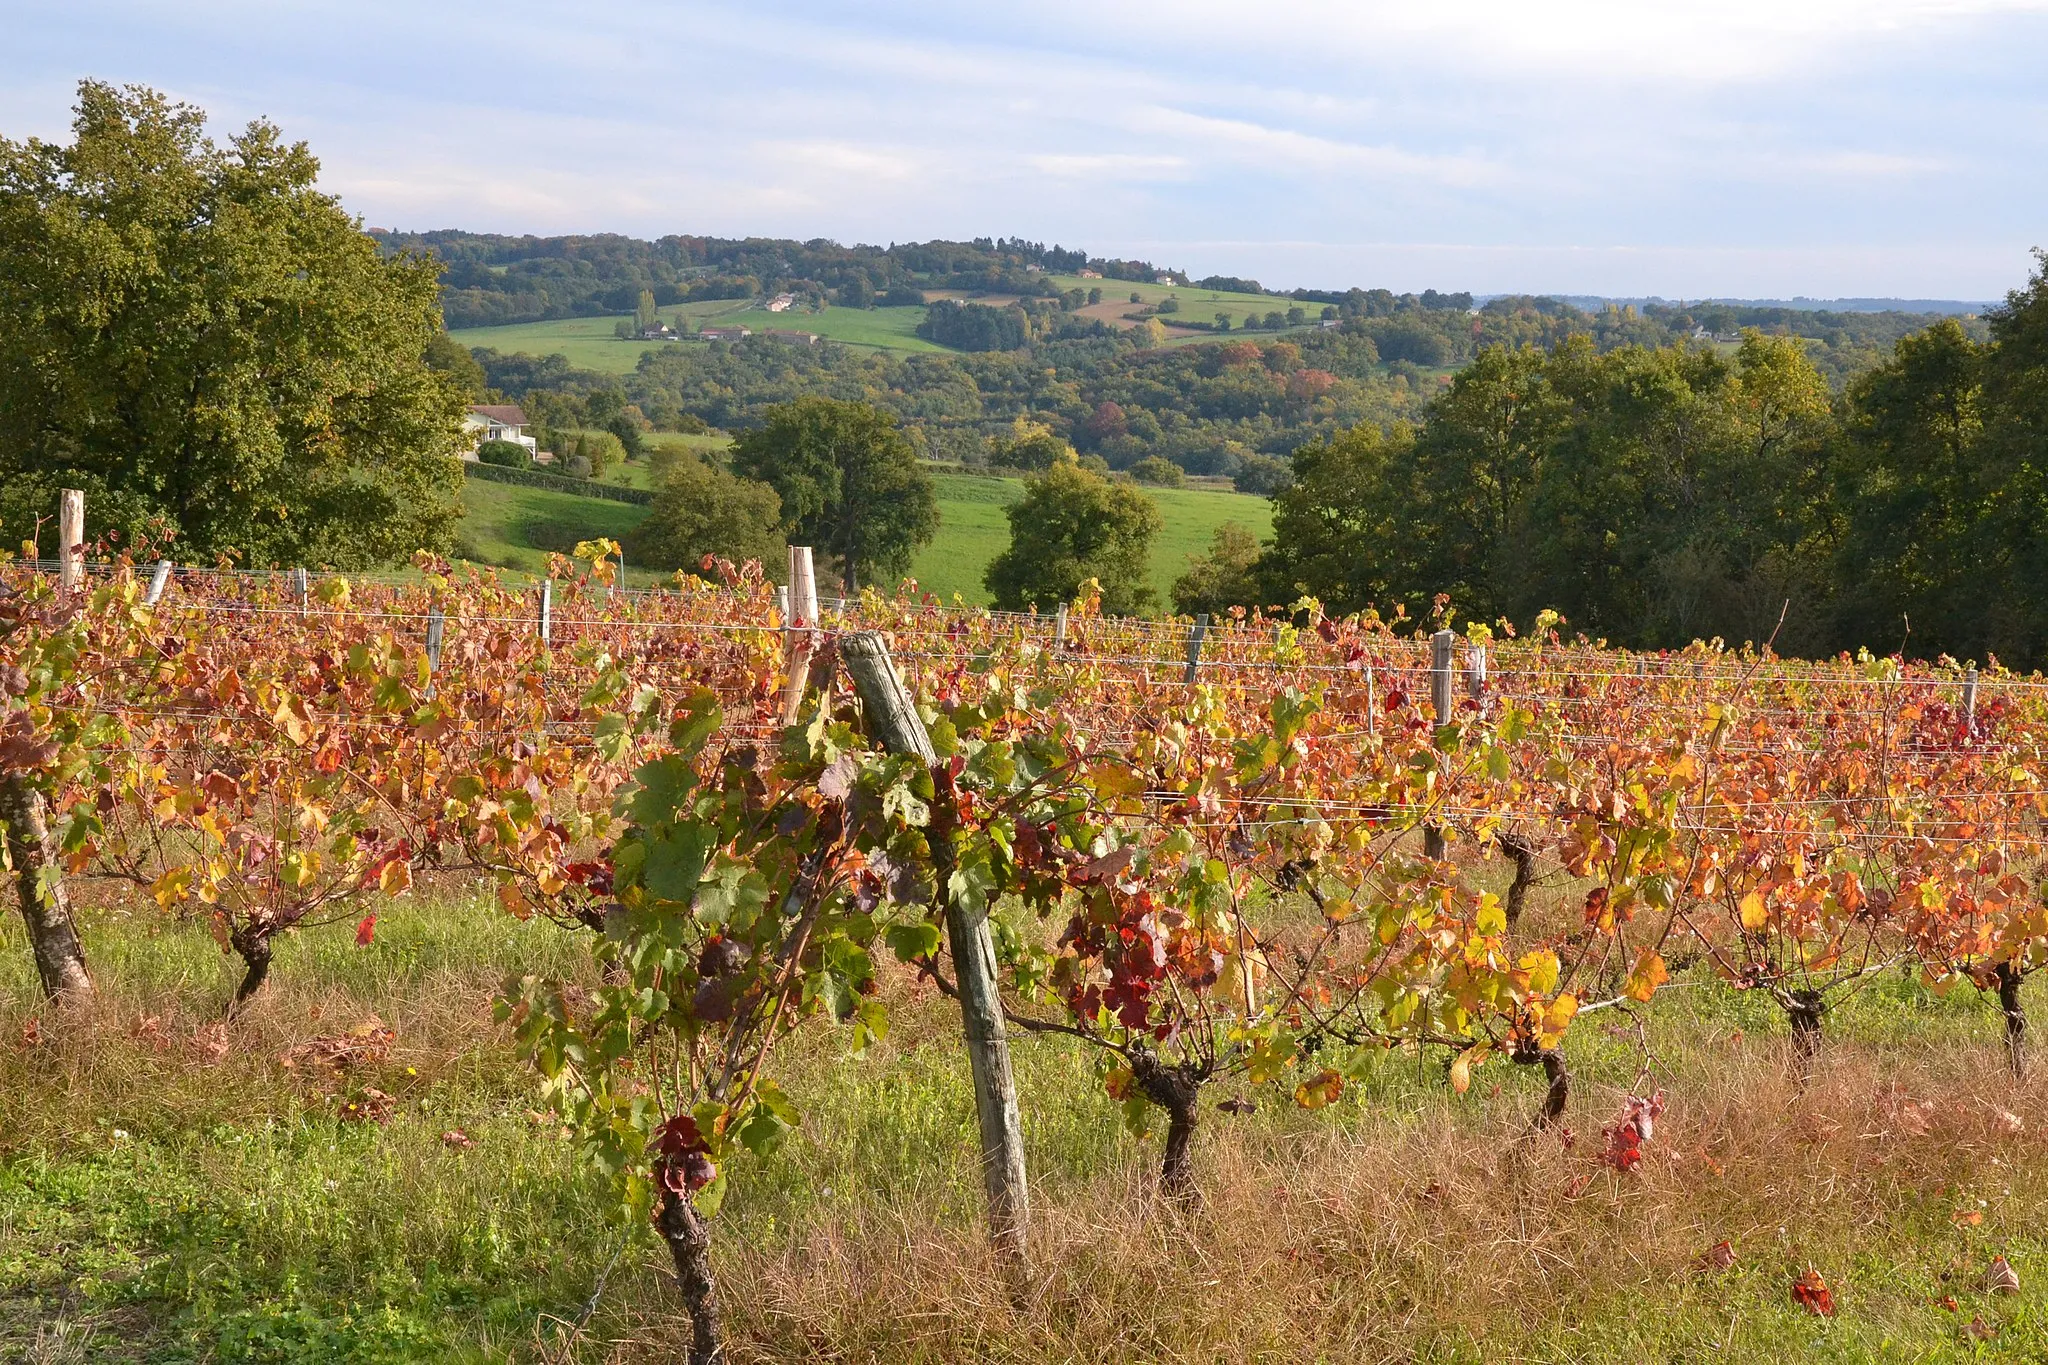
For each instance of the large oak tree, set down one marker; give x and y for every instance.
(207, 344)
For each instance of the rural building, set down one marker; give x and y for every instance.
(793, 338)
(724, 333)
(1088, 274)
(781, 303)
(495, 422)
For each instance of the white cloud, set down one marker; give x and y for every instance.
(1117, 165)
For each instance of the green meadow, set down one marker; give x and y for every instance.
(515, 527)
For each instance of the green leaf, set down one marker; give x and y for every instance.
(662, 788)
(912, 941)
(675, 861)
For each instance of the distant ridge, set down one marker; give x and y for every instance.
(1593, 303)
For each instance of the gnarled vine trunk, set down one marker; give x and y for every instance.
(253, 945)
(689, 1245)
(2015, 1010)
(39, 882)
(1521, 850)
(1559, 1094)
(1177, 1090)
(1804, 1011)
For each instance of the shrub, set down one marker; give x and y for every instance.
(577, 466)
(1154, 470)
(1263, 474)
(504, 454)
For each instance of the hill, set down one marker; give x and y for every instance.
(516, 528)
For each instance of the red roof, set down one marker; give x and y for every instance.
(504, 414)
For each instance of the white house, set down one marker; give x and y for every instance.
(495, 422)
(781, 303)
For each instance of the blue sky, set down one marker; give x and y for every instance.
(1747, 147)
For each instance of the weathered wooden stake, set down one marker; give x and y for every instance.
(1059, 637)
(158, 581)
(1195, 638)
(547, 608)
(893, 714)
(70, 539)
(799, 631)
(437, 624)
(39, 885)
(1475, 672)
(1970, 701)
(1443, 646)
(305, 589)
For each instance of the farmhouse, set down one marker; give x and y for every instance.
(495, 422)
(793, 338)
(1088, 274)
(781, 303)
(724, 333)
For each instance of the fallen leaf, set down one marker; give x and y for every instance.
(1811, 1292)
(210, 1044)
(2001, 1278)
(1980, 1329)
(457, 1140)
(1719, 1256)
(366, 930)
(372, 1106)
(1946, 1301)
(32, 1032)
(1967, 1217)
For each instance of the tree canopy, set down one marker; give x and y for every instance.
(208, 345)
(849, 482)
(1071, 526)
(702, 510)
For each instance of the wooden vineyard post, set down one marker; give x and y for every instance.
(1475, 672)
(1059, 631)
(437, 626)
(799, 631)
(547, 609)
(1195, 638)
(1442, 646)
(303, 588)
(893, 715)
(158, 581)
(38, 867)
(70, 540)
(1970, 701)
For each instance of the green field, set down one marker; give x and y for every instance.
(589, 343)
(513, 527)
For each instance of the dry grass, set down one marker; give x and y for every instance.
(1403, 1224)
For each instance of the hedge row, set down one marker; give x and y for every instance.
(560, 483)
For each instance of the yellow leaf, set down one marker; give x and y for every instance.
(1559, 1014)
(1461, 1069)
(1753, 912)
(1319, 1089)
(395, 878)
(1341, 909)
(1650, 973)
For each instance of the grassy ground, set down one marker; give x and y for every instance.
(172, 1191)
(513, 527)
(589, 343)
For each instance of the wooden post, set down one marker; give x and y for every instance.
(304, 589)
(70, 539)
(1372, 706)
(782, 603)
(39, 883)
(159, 581)
(893, 715)
(1970, 701)
(1195, 637)
(547, 609)
(437, 624)
(1059, 628)
(799, 631)
(1442, 646)
(1475, 672)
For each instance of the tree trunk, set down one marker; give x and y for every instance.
(1177, 1090)
(39, 882)
(253, 945)
(2009, 982)
(1805, 1013)
(689, 1245)
(1522, 851)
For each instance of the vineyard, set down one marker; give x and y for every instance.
(1232, 865)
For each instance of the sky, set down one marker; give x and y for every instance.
(1742, 148)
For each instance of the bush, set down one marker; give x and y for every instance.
(1223, 578)
(600, 451)
(1262, 474)
(504, 454)
(1154, 470)
(577, 466)
(1070, 526)
(560, 483)
(903, 296)
(703, 510)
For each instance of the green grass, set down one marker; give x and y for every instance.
(512, 527)
(162, 1204)
(590, 343)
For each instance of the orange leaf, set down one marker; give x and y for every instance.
(1650, 973)
(366, 930)
(1811, 1292)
